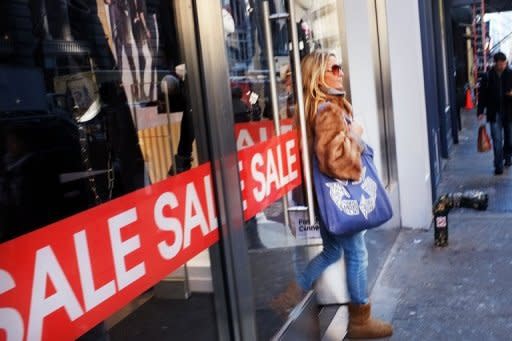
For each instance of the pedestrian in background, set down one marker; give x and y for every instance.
(495, 99)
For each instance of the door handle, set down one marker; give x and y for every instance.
(273, 88)
(306, 163)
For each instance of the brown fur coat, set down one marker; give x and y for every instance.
(338, 150)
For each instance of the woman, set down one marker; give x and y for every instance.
(335, 141)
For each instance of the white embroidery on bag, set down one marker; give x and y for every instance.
(342, 198)
(370, 186)
(350, 207)
(366, 205)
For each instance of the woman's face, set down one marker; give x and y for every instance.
(334, 74)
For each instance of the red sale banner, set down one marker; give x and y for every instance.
(268, 171)
(251, 133)
(59, 281)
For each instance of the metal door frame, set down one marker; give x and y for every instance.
(382, 72)
(200, 32)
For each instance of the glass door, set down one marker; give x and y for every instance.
(265, 41)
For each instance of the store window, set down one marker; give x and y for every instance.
(103, 190)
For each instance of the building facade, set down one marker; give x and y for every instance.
(149, 153)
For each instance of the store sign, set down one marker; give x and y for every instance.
(268, 171)
(251, 133)
(59, 281)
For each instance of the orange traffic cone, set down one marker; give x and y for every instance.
(469, 100)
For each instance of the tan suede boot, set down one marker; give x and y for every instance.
(287, 300)
(362, 326)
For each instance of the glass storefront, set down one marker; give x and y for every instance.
(144, 192)
(96, 121)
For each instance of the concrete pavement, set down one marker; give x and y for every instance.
(462, 291)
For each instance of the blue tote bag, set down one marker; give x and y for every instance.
(347, 207)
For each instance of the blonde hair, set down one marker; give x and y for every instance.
(314, 87)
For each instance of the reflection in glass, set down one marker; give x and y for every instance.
(95, 107)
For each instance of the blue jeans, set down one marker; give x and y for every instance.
(356, 260)
(501, 133)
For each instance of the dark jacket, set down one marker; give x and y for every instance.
(492, 94)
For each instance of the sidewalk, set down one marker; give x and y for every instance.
(462, 291)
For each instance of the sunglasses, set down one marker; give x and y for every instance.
(336, 70)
